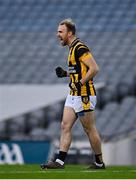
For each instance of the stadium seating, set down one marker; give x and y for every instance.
(28, 37)
(30, 52)
(117, 119)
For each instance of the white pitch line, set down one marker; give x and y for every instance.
(63, 171)
(11, 172)
(33, 172)
(124, 171)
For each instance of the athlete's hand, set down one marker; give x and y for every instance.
(75, 86)
(61, 72)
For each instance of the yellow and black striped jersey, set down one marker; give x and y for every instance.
(77, 69)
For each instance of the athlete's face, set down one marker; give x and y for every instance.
(62, 34)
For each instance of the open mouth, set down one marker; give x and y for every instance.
(61, 39)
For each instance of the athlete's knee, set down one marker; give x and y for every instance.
(65, 127)
(89, 128)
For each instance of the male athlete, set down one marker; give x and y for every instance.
(81, 101)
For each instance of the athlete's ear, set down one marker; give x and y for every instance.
(70, 33)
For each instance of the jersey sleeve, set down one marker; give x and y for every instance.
(81, 50)
(83, 53)
(85, 56)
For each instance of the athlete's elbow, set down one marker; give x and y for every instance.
(96, 70)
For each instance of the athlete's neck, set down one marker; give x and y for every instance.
(71, 40)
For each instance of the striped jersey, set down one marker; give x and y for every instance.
(79, 52)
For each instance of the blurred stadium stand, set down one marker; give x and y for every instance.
(29, 52)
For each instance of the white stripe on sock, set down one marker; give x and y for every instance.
(59, 161)
(100, 165)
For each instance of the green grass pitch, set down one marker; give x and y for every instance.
(70, 172)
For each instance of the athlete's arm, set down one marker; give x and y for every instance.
(93, 68)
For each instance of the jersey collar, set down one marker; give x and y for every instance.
(74, 42)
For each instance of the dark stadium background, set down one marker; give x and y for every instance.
(29, 53)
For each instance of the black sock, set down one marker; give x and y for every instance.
(62, 155)
(98, 158)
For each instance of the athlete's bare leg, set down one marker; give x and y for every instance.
(68, 119)
(88, 123)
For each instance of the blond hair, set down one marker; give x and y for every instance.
(69, 24)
